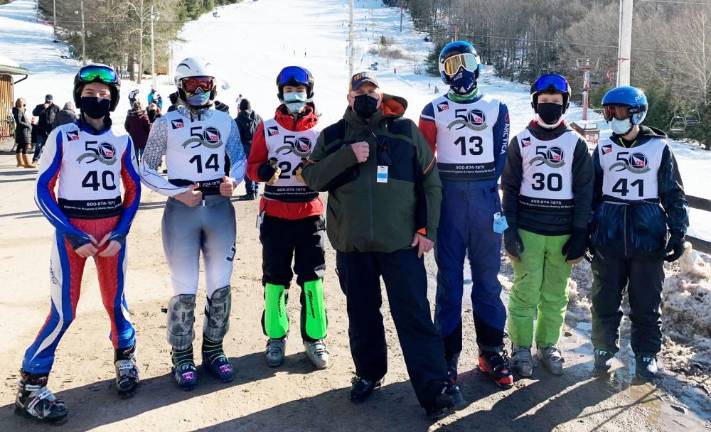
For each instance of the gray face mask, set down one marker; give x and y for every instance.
(295, 101)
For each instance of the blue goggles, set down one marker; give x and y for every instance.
(293, 75)
(550, 82)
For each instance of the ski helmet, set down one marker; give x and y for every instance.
(550, 82)
(295, 76)
(631, 97)
(456, 55)
(100, 73)
(194, 67)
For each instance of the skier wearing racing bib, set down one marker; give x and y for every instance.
(469, 133)
(88, 163)
(198, 217)
(547, 183)
(291, 218)
(640, 220)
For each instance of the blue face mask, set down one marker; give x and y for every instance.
(620, 127)
(198, 99)
(463, 82)
(295, 101)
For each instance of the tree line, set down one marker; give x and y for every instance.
(118, 32)
(671, 48)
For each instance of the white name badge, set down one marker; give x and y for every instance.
(382, 176)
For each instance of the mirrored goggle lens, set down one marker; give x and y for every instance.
(293, 75)
(192, 84)
(468, 61)
(551, 82)
(98, 73)
(619, 112)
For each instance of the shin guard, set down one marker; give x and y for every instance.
(316, 320)
(217, 314)
(276, 322)
(181, 316)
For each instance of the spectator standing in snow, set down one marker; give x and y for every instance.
(66, 115)
(138, 126)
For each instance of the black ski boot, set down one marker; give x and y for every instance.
(35, 401)
(126, 371)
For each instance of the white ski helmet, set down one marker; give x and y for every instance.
(194, 67)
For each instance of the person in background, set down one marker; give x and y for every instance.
(138, 126)
(155, 97)
(174, 101)
(45, 114)
(22, 133)
(153, 112)
(247, 121)
(66, 115)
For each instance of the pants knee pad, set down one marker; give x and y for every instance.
(316, 319)
(276, 322)
(217, 314)
(181, 316)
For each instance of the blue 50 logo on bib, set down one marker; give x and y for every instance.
(553, 157)
(636, 163)
(210, 138)
(474, 120)
(104, 153)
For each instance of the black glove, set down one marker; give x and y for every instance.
(512, 242)
(576, 245)
(267, 170)
(674, 249)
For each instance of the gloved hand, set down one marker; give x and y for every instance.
(674, 249)
(574, 249)
(513, 243)
(269, 171)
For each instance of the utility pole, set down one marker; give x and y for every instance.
(153, 49)
(624, 53)
(584, 67)
(142, 16)
(350, 39)
(402, 12)
(54, 19)
(83, 35)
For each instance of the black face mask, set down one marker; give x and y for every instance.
(365, 106)
(549, 113)
(94, 107)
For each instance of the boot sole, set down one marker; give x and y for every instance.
(58, 421)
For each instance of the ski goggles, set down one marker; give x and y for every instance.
(94, 73)
(620, 112)
(468, 61)
(192, 84)
(292, 75)
(550, 82)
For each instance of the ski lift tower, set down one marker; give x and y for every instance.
(587, 129)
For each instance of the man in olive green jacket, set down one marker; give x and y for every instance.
(383, 211)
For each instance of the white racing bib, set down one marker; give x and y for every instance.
(465, 139)
(90, 178)
(631, 174)
(196, 150)
(289, 148)
(547, 181)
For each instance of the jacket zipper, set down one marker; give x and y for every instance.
(624, 230)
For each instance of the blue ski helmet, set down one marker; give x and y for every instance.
(628, 96)
(550, 82)
(455, 55)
